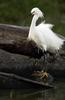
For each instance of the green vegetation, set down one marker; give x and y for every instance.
(18, 12)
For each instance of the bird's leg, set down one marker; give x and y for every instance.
(45, 74)
(56, 55)
(42, 74)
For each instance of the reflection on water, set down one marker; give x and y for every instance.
(57, 93)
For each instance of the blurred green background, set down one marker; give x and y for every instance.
(18, 12)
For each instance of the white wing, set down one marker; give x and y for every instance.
(48, 37)
(47, 25)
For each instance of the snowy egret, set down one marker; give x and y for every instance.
(42, 34)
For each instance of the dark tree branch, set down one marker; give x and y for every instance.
(29, 81)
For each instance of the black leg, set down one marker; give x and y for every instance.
(45, 60)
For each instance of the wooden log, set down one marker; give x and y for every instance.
(16, 45)
(14, 40)
(23, 47)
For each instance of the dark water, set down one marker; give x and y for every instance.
(57, 93)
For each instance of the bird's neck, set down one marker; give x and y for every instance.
(32, 27)
(33, 23)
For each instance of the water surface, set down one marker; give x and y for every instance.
(57, 93)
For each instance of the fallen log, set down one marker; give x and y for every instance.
(14, 40)
(16, 45)
(23, 47)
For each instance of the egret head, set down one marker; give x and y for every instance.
(37, 11)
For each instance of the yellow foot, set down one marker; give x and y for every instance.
(40, 74)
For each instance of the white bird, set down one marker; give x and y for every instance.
(42, 34)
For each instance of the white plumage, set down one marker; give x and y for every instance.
(43, 35)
